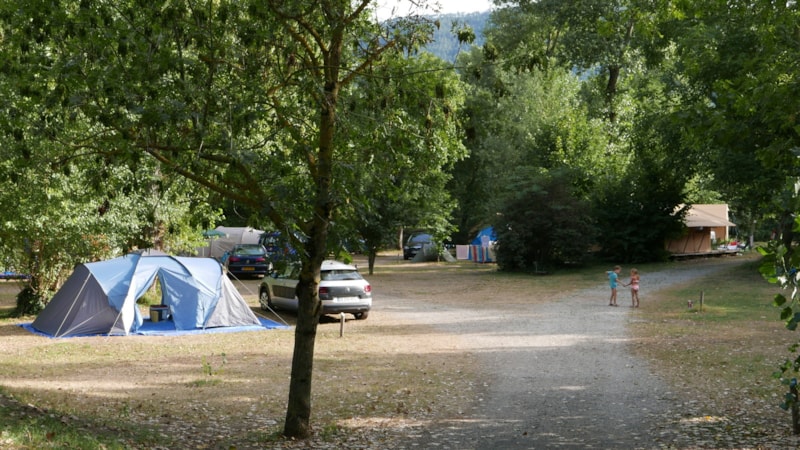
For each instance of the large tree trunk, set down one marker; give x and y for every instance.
(298, 412)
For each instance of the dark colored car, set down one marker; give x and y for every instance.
(341, 289)
(415, 243)
(278, 247)
(248, 259)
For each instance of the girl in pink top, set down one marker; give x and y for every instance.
(634, 284)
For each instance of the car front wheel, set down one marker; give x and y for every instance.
(361, 315)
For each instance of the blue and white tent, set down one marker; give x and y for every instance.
(100, 297)
(481, 248)
(485, 237)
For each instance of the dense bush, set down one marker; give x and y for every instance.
(635, 226)
(29, 302)
(543, 223)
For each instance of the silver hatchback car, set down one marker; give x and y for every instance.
(342, 289)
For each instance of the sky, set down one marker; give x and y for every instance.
(403, 7)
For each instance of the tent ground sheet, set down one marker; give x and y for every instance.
(167, 328)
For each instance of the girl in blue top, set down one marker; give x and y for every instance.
(613, 275)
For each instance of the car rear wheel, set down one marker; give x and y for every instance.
(361, 315)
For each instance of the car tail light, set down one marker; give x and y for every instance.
(261, 259)
(367, 289)
(234, 259)
(323, 290)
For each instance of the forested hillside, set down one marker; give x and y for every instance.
(445, 44)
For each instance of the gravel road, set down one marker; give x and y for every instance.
(558, 375)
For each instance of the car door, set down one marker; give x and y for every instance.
(284, 287)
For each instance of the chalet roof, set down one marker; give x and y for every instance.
(708, 215)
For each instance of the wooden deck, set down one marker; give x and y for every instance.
(705, 254)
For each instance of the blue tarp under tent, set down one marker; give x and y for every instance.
(100, 297)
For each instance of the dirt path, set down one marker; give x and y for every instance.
(557, 375)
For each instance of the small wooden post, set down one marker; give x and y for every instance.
(795, 408)
(341, 324)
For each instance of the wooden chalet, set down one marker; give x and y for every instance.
(707, 226)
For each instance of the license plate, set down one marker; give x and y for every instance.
(248, 268)
(345, 299)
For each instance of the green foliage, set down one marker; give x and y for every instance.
(48, 229)
(700, 190)
(610, 125)
(73, 192)
(633, 227)
(638, 211)
(735, 65)
(411, 106)
(543, 223)
(601, 39)
(780, 266)
(532, 119)
(68, 220)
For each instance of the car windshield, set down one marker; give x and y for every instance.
(254, 250)
(339, 275)
(420, 239)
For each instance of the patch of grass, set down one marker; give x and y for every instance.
(329, 431)
(204, 382)
(725, 351)
(23, 426)
(211, 373)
